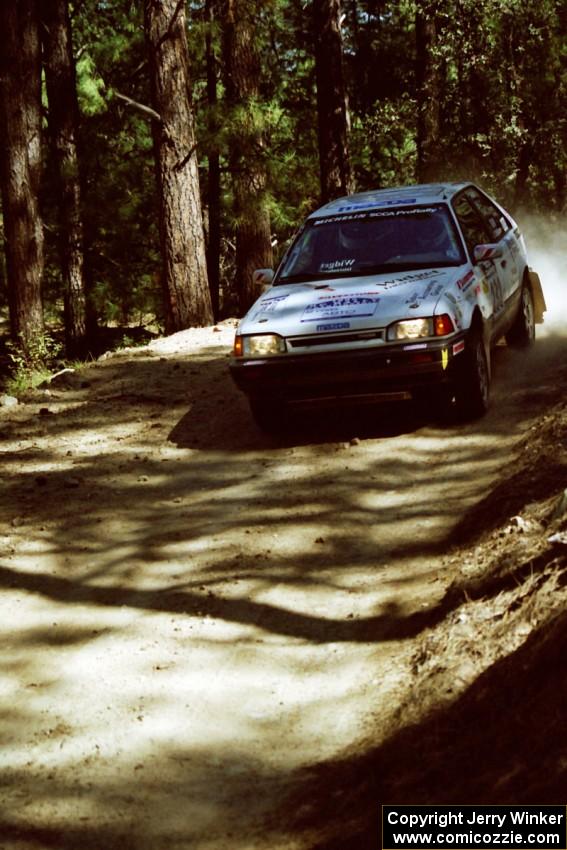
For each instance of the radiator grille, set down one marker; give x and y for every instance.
(334, 339)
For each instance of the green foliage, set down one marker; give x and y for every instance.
(383, 145)
(90, 86)
(503, 69)
(504, 75)
(31, 367)
(119, 197)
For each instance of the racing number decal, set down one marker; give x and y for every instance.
(515, 256)
(495, 285)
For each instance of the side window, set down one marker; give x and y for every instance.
(496, 222)
(472, 225)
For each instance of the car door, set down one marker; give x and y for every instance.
(476, 231)
(501, 233)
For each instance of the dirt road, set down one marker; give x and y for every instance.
(191, 611)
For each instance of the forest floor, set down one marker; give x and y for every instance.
(216, 639)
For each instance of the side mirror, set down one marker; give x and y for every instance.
(486, 252)
(262, 278)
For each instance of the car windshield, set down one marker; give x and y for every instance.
(373, 241)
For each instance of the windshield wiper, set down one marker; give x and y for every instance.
(305, 277)
(295, 278)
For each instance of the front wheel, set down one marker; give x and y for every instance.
(472, 389)
(522, 332)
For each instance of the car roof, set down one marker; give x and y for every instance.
(424, 193)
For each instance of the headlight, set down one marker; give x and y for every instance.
(415, 328)
(260, 345)
(410, 329)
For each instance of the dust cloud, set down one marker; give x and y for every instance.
(547, 251)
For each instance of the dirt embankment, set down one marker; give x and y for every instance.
(213, 639)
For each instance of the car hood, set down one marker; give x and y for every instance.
(369, 301)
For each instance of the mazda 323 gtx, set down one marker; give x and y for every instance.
(389, 295)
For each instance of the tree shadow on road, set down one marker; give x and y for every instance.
(136, 521)
(501, 742)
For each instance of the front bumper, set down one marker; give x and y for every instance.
(386, 372)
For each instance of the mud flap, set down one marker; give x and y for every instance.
(538, 298)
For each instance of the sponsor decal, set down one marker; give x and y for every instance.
(408, 278)
(483, 252)
(415, 347)
(465, 281)
(334, 326)
(444, 358)
(369, 213)
(270, 305)
(458, 347)
(334, 218)
(432, 290)
(341, 307)
(370, 294)
(337, 265)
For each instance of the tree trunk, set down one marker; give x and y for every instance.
(30, 81)
(214, 184)
(20, 108)
(428, 93)
(63, 126)
(185, 286)
(332, 106)
(247, 155)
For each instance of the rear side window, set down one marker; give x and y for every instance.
(494, 219)
(475, 231)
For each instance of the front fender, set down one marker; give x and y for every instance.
(538, 297)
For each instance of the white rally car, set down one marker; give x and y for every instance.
(387, 295)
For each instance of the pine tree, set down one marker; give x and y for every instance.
(213, 155)
(20, 110)
(186, 294)
(63, 127)
(242, 72)
(428, 92)
(332, 106)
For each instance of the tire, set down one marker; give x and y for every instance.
(269, 414)
(472, 390)
(522, 332)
